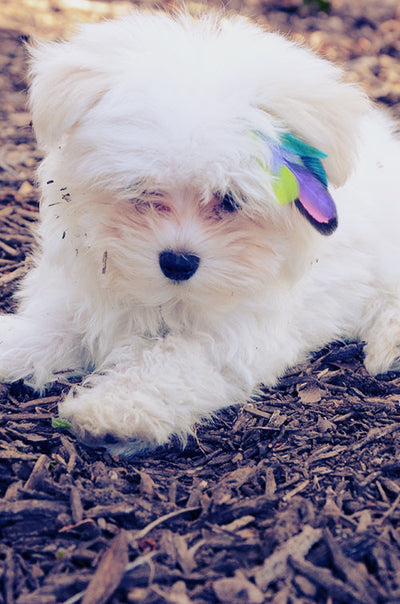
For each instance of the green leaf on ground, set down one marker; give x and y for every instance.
(58, 422)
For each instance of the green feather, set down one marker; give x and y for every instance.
(286, 186)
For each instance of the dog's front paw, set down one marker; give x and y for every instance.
(124, 422)
(133, 447)
(35, 350)
(16, 349)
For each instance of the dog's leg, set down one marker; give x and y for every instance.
(39, 340)
(148, 391)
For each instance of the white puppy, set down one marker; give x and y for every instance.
(183, 252)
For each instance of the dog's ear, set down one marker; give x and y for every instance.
(64, 86)
(309, 97)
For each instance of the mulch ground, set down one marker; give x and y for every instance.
(294, 498)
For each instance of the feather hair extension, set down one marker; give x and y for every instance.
(301, 178)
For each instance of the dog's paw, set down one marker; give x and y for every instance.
(382, 348)
(15, 357)
(36, 350)
(27, 352)
(381, 357)
(125, 422)
(134, 447)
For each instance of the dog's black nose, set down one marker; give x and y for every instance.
(178, 266)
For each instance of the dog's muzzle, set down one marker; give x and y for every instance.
(178, 266)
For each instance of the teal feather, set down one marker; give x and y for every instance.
(290, 142)
(309, 155)
(315, 166)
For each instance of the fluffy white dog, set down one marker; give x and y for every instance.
(187, 247)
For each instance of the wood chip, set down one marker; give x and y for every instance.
(39, 472)
(275, 567)
(109, 573)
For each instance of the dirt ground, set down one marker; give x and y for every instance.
(293, 499)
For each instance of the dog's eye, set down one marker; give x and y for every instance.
(140, 205)
(161, 207)
(228, 204)
(148, 203)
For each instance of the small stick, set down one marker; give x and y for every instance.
(103, 270)
(12, 276)
(8, 249)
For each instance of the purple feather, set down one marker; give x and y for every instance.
(314, 200)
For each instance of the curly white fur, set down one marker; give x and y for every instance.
(146, 124)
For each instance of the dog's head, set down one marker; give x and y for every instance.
(164, 130)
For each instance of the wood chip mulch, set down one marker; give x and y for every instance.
(293, 498)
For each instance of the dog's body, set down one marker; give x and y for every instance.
(167, 268)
